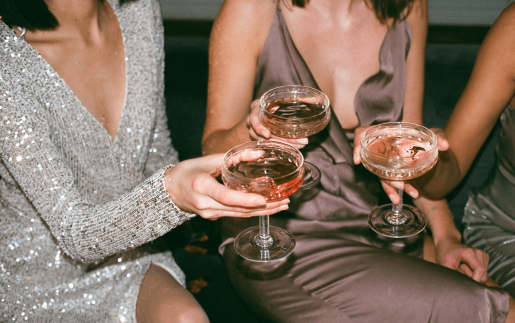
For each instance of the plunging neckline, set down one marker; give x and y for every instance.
(85, 111)
(366, 81)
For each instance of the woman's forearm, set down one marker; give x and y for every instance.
(220, 141)
(439, 219)
(440, 180)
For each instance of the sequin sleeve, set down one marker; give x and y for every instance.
(86, 231)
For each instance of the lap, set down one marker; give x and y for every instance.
(337, 280)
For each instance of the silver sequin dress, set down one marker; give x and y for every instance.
(77, 208)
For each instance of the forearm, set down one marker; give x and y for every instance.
(221, 140)
(439, 219)
(440, 180)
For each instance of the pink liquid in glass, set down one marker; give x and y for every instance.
(267, 177)
(399, 157)
(292, 118)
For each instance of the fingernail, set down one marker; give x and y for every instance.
(285, 201)
(284, 207)
(260, 202)
(303, 141)
(412, 193)
(398, 185)
(392, 197)
(355, 158)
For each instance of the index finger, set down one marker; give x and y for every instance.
(477, 268)
(231, 197)
(357, 145)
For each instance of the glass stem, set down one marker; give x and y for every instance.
(397, 217)
(264, 239)
(397, 208)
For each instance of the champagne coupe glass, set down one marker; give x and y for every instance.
(272, 169)
(398, 151)
(296, 111)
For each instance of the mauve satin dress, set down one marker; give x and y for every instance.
(340, 270)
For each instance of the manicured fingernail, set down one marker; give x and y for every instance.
(398, 185)
(392, 197)
(284, 207)
(285, 201)
(303, 141)
(260, 202)
(355, 158)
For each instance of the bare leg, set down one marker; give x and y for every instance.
(430, 255)
(162, 299)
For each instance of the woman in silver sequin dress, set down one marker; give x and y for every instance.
(85, 185)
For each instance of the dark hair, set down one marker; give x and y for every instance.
(30, 14)
(384, 9)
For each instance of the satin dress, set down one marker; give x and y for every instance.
(490, 211)
(340, 270)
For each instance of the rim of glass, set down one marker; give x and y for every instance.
(294, 89)
(414, 126)
(264, 143)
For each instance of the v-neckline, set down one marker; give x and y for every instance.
(367, 80)
(86, 112)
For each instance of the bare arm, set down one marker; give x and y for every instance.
(490, 88)
(414, 91)
(238, 35)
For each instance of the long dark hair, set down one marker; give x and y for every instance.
(384, 9)
(30, 14)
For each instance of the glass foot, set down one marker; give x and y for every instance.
(281, 245)
(412, 221)
(312, 176)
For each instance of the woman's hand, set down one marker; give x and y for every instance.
(390, 187)
(193, 188)
(259, 132)
(470, 261)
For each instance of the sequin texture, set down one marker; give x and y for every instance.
(78, 210)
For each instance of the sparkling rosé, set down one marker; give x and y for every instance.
(399, 157)
(293, 118)
(267, 177)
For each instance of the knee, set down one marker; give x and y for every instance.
(190, 314)
(174, 311)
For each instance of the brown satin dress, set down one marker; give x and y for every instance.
(341, 271)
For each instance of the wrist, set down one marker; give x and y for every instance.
(453, 236)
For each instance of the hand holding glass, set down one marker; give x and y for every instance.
(274, 170)
(398, 151)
